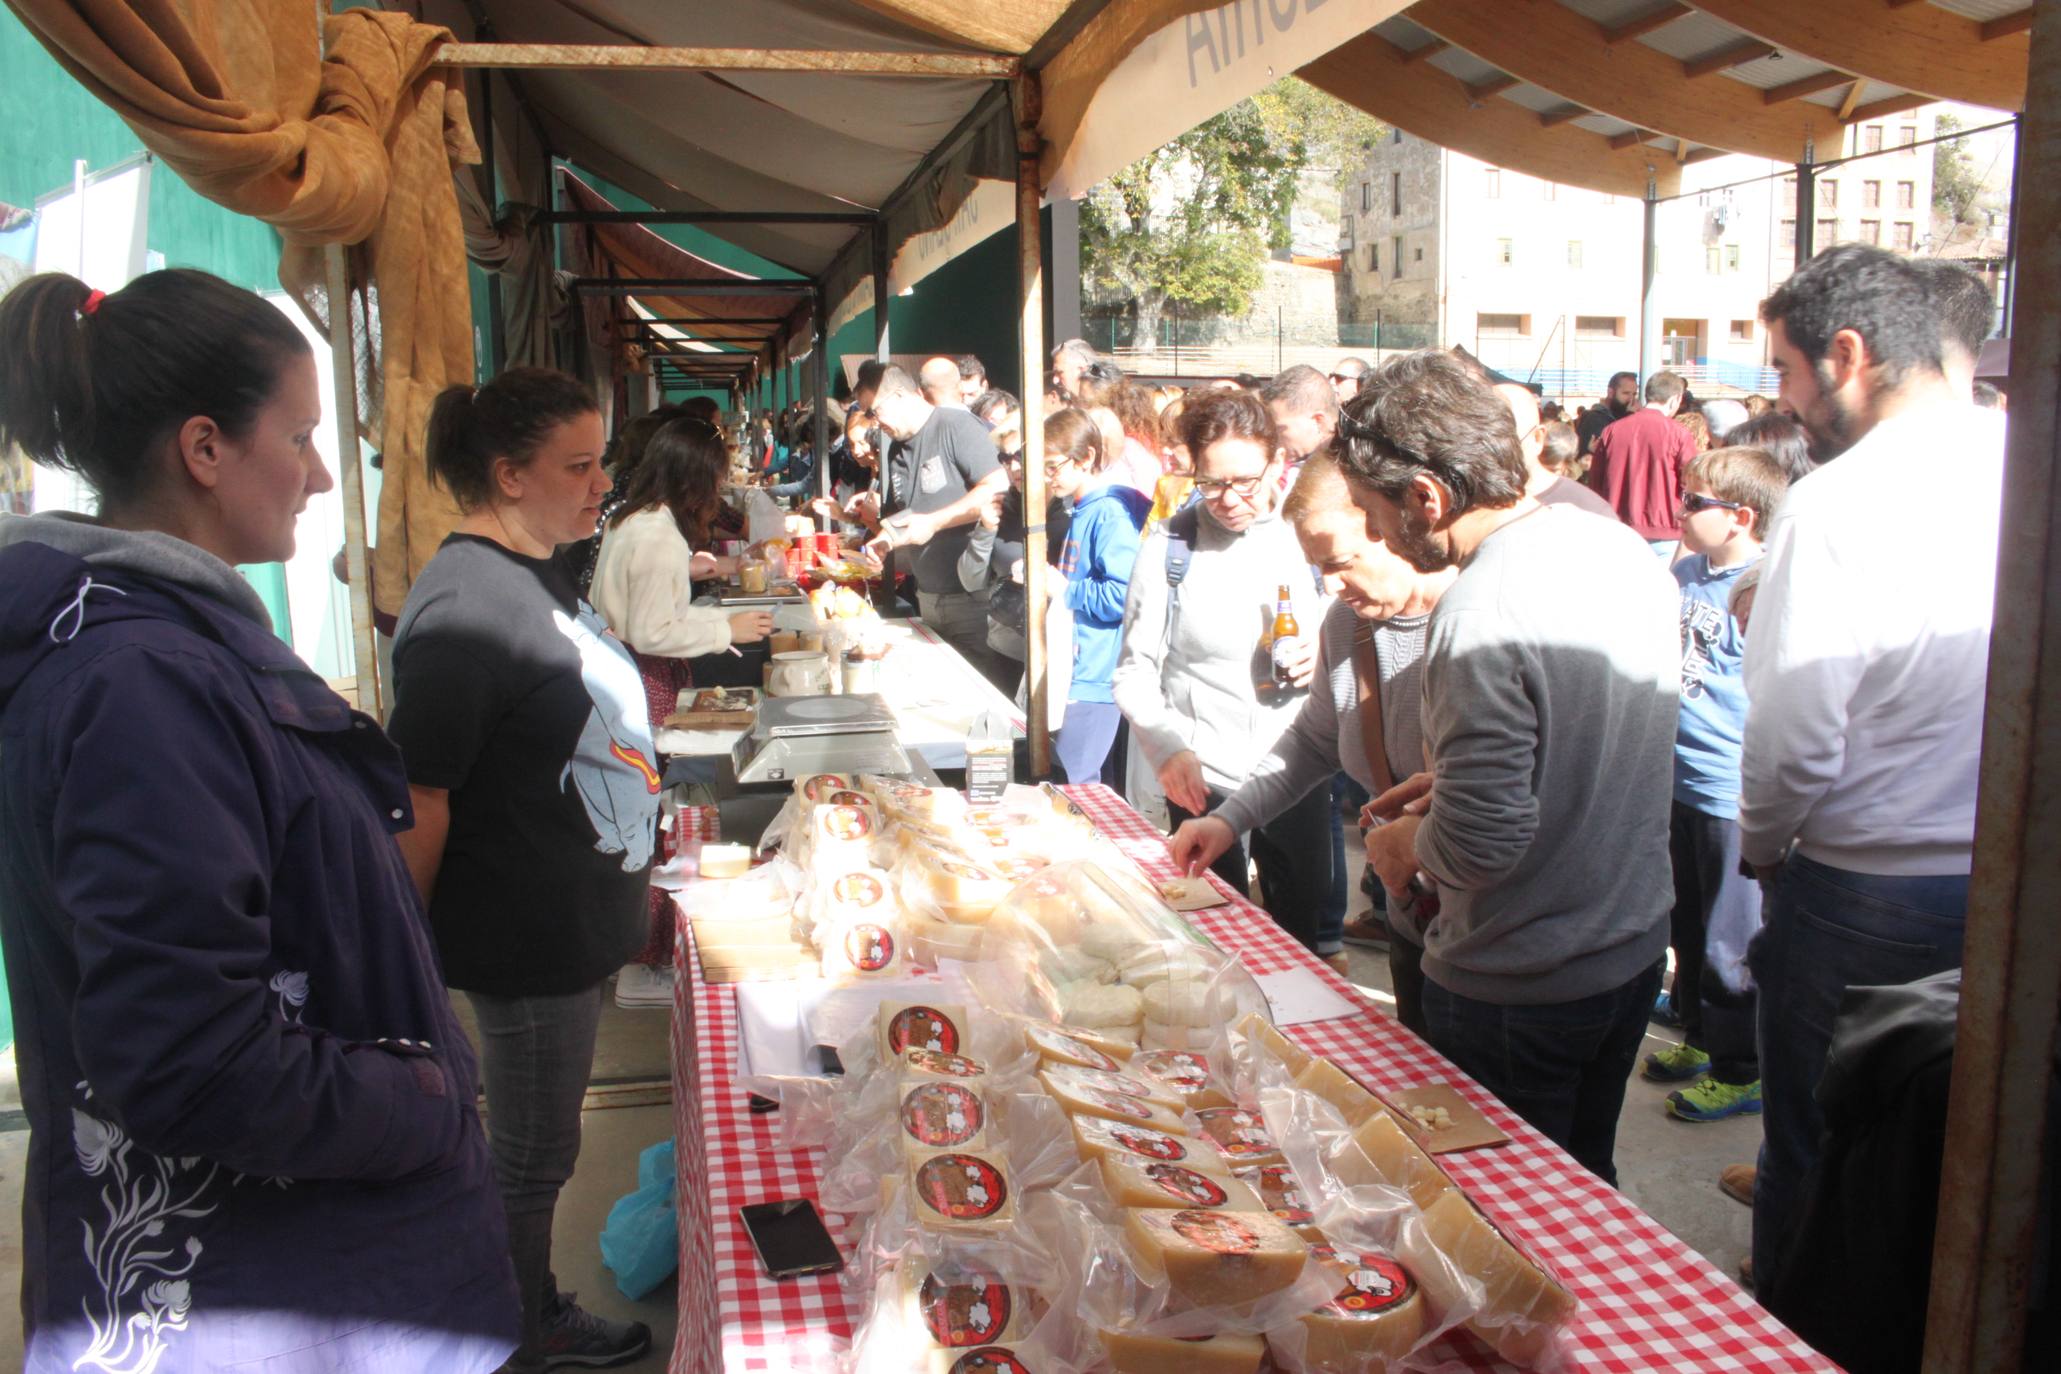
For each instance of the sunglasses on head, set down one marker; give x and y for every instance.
(1694, 504)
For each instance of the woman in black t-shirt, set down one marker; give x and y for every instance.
(530, 762)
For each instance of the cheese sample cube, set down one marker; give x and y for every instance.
(1375, 1317)
(1077, 1048)
(1134, 1182)
(1381, 1151)
(1095, 1137)
(960, 1188)
(938, 1114)
(1521, 1305)
(1130, 1353)
(1272, 1044)
(1185, 1074)
(961, 1305)
(1113, 1081)
(985, 1359)
(1214, 1258)
(1282, 1193)
(1322, 1078)
(921, 1026)
(1239, 1135)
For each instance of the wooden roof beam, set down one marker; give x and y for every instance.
(1371, 73)
(2004, 25)
(1644, 24)
(1630, 138)
(1494, 86)
(1551, 118)
(636, 57)
(1554, 49)
(1920, 48)
(1853, 99)
(1726, 58)
(1803, 86)
(1896, 104)
(1427, 52)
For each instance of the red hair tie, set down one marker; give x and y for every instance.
(93, 300)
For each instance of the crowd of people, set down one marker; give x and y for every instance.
(1562, 693)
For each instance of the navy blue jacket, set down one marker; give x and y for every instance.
(253, 1136)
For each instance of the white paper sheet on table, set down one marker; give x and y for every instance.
(782, 1026)
(1299, 996)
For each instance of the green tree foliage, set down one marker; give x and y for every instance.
(1956, 185)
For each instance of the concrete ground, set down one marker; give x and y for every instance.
(1668, 1167)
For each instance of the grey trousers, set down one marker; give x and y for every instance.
(536, 1056)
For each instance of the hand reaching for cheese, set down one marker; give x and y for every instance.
(1199, 843)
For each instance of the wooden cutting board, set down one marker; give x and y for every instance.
(696, 710)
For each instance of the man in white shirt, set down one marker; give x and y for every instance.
(1865, 678)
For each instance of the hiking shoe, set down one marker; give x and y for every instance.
(574, 1338)
(1676, 1064)
(1664, 1013)
(1370, 931)
(1736, 1182)
(1711, 1100)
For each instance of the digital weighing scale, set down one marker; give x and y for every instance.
(796, 736)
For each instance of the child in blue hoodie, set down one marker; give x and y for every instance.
(1101, 545)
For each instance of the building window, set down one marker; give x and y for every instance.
(1871, 195)
(1506, 252)
(1902, 235)
(1395, 193)
(1398, 135)
(1395, 257)
(1907, 139)
(1871, 139)
(1788, 193)
(1828, 195)
(1742, 331)
(1599, 326)
(1731, 257)
(1345, 234)
(1574, 252)
(1789, 233)
(1906, 195)
(1366, 197)
(1502, 326)
(1493, 179)
(1418, 256)
(1871, 232)
(1710, 258)
(1374, 257)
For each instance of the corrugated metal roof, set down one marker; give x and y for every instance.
(1981, 10)
(1692, 36)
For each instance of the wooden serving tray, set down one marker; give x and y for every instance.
(696, 709)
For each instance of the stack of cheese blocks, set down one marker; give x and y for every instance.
(1521, 1304)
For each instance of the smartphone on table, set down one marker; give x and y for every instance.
(791, 1238)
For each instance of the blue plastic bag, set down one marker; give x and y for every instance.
(641, 1240)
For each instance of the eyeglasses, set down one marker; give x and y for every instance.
(1235, 486)
(1693, 504)
(1052, 466)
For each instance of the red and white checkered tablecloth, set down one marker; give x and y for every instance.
(1648, 1302)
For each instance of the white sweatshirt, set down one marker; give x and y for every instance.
(1867, 651)
(643, 590)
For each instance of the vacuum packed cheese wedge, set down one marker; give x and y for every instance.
(938, 1114)
(1095, 1137)
(1374, 1319)
(1213, 1258)
(920, 1026)
(725, 860)
(1381, 1151)
(1282, 1194)
(1055, 1046)
(922, 1063)
(1326, 1080)
(1134, 1182)
(984, 1359)
(815, 787)
(1522, 1305)
(1130, 1353)
(1112, 1081)
(962, 890)
(958, 1306)
(931, 939)
(960, 1188)
(1185, 1073)
(1272, 1044)
(1082, 1099)
(1239, 1135)
(863, 948)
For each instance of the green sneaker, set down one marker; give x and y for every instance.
(1711, 1100)
(1677, 1064)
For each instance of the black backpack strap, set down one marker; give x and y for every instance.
(1181, 529)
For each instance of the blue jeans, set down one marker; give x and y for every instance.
(1081, 748)
(1827, 930)
(1346, 796)
(1562, 1066)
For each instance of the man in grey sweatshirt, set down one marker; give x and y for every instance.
(1549, 718)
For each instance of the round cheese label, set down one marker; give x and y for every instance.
(1197, 1190)
(858, 889)
(972, 1307)
(943, 1065)
(966, 871)
(1147, 1143)
(1283, 1196)
(849, 799)
(1058, 1043)
(1183, 1069)
(1374, 1283)
(816, 787)
(922, 1028)
(1219, 1232)
(961, 1187)
(1017, 869)
(989, 1360)
(942, 1115)
(847, 823)
(871, 948)
(1238, 1134)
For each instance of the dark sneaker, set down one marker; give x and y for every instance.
(1664, 1013)
(574, 1338)
(1370, 931)
(1711, 1100)
(1676, 1064)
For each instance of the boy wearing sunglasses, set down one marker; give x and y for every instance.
(1728, 497)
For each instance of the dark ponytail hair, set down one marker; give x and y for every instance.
(683, 470)
(471, 427)
(98, 385)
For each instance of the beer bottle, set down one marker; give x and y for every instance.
(1286, 633)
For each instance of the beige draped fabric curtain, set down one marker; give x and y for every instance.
(337, 134)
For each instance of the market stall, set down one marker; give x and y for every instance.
(1643, 1300)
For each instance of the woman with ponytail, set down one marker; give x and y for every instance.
(535, 787)
(252, 1140)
